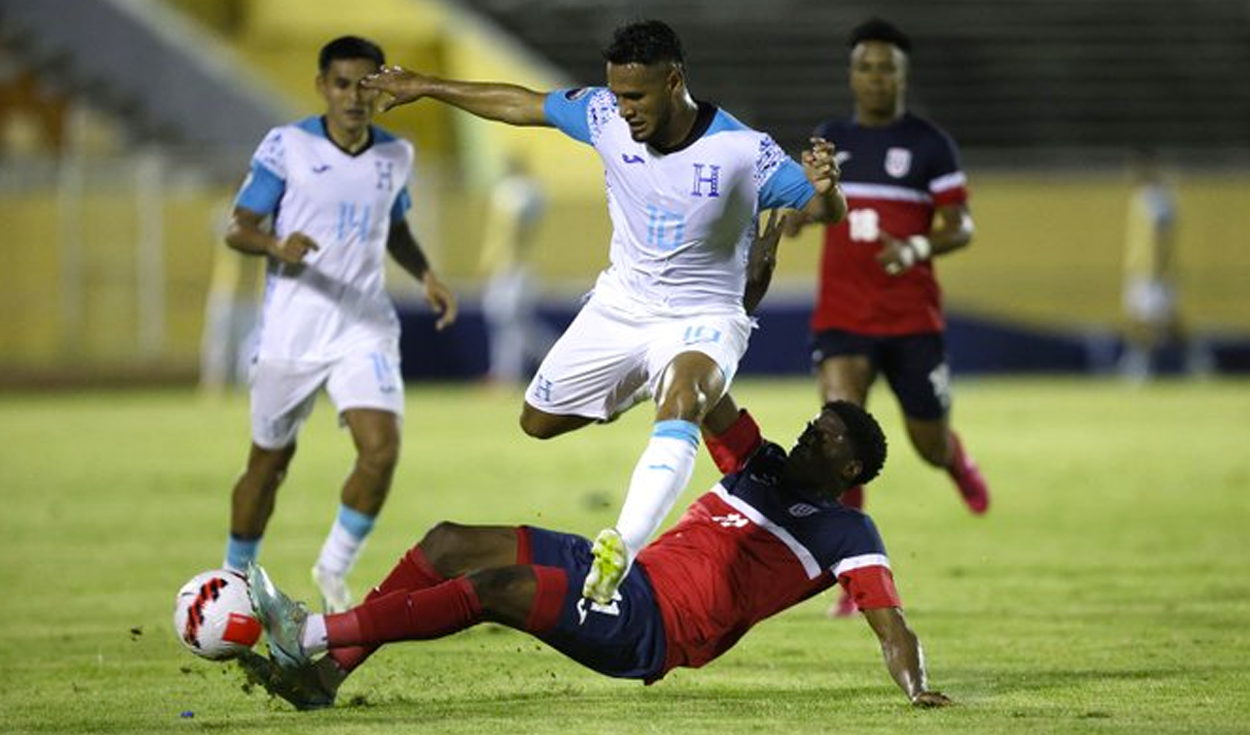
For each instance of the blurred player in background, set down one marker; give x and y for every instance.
(762, 540)
(336, 189)
(685, 185)
(1151, 309)
(878, 309)
(518, 338)
(231, 313)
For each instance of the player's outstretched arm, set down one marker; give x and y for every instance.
(829, 204)
(406, 251)
(903, 656)
(509, 103)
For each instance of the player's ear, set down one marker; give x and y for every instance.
(676, 78)
(851, 469)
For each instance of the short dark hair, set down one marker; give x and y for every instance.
(349, 47)
(878, 29)
(866, 437)
(644, 42)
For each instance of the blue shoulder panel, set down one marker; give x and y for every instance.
(723, 122)
(787, 187)
(402, 204)
(261, 192)
(312, 125)
(566, 109)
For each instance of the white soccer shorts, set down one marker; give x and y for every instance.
(283, 392)
(606, 354)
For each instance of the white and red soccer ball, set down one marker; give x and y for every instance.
(213, 615)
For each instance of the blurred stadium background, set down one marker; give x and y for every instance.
(127, 125)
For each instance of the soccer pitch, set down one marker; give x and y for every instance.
(1106, 591)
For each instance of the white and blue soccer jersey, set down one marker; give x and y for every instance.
(335, 302)
(682, 221)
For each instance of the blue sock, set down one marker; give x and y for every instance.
(240, 551)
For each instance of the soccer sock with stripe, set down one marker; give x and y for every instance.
(404, 616)
(659, 477)
(732, 448)
(346, 538)
(413, 572)
(240, 551)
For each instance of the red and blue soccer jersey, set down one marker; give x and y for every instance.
(751, 548)
(894, 177)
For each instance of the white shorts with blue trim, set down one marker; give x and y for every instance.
(283, 392)
(608, 353)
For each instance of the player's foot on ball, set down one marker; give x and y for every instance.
(845, 607)
(608, 567)
(335, 597)
(311, 686)
(280, 616)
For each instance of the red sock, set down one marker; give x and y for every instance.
(853, 498)
(413, 572)
(731, 450)
(407, 616)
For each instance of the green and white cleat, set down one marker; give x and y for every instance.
(280, 616)
(311, 686)
(608, 568)
(335, 597)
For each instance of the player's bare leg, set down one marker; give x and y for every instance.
(542, 425)
(376, 436)
(252, 502)
(940, 447)
(691, 384)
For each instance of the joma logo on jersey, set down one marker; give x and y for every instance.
(711, 179)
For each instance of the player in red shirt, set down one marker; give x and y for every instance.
(879, 308)
(763, 539)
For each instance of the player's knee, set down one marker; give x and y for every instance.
(444, 545)
(379, 457)
(536, 426)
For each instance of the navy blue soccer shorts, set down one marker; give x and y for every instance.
(624, 639)
(915, 365)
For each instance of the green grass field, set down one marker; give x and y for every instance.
(1107, 591)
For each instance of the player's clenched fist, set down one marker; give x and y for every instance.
(293, 249)
(820, 165)
(402, 86)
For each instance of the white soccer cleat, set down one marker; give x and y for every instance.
(335, 597)
(608, 567)
(281, 617)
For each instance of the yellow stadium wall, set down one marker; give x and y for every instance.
(1047, 253)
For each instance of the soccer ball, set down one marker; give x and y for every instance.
(213, 615)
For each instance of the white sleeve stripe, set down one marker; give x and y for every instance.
(851, 563)
(885, 191)
(948, 182)
(805, 557)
